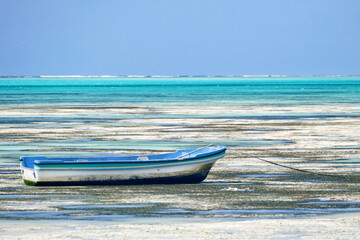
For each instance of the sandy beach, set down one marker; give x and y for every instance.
(332, 227)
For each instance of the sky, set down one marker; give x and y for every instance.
(179, 37)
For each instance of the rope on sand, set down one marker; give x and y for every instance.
(295, 169)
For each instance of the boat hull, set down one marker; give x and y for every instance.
(192, 170)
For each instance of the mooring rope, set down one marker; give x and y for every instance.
(293, 168)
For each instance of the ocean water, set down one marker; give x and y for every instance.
(178, 91)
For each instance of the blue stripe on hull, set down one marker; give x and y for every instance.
(189, 179)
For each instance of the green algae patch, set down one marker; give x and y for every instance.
(29, 183)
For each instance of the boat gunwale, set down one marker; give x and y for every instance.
(48, 161)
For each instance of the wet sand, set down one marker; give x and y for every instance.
(334, 227)
(290, 172)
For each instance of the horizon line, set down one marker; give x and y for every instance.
(177, 76)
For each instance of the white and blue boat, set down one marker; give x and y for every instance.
(182, 166)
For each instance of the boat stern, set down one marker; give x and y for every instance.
(28, 174)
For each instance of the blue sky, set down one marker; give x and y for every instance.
(179, 37)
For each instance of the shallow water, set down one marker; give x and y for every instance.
(309, 124)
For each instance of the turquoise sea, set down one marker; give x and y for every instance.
(18, 92)
(23, 93)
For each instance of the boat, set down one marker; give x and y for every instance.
(183, 166)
